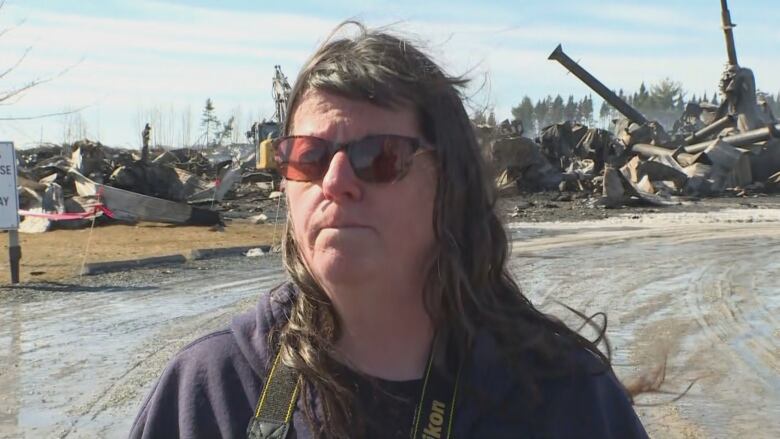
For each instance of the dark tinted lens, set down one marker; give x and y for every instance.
(302, 158)
(381, 159)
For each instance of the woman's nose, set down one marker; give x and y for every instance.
(340, 182)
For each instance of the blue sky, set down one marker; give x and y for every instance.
(134, 61)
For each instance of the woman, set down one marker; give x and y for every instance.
(400, 318)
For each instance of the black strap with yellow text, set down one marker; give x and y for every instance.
(433, 416)
(436, 409)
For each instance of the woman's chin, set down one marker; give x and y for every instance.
(340, 268)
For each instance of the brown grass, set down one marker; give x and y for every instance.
(58, 254)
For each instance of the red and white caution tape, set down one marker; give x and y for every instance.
(97, 210)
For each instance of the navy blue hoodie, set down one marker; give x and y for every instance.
(211, 387)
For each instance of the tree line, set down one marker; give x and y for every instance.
(663, 102)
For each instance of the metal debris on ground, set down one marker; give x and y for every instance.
(60, 183)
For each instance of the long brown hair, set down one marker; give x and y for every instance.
(469, 287)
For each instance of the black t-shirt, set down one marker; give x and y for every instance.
(387, 406)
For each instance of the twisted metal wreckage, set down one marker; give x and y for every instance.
(177, 187)
(735, 145)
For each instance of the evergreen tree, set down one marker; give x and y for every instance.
(643, 97)
(226, 132)
(541, 109)
(525, 113)
(604, 111)
(664, 94)
(556, 110)
(680, 104)
(586, 110)
(570, 109)
(209, 121)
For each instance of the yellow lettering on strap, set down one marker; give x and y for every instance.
(435, 420)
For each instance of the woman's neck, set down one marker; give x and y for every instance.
(385, 331)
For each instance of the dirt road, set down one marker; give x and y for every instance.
(77, 358)
(701, 288)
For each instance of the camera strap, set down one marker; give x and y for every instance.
(433, 415)
(436, 409)
(276, 405)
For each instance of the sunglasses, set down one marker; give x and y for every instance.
(374, 159)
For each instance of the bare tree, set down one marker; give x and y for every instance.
(155, 117)
(237, 134)
(11, 94)
(170, 127)
(186, 127)
(74, 127)
(209, 121)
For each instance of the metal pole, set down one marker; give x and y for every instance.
(728, 30)
(14, 255)
(740, 140)
(620, 105)
(710, 129)
(647, 150)
(650, 151)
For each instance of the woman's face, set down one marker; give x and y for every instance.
(350, 231)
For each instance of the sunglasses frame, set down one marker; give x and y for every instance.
(417, 147)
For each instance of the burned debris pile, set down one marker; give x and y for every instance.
(71, 185)
(733, 147)
(638, 163)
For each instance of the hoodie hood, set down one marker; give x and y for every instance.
(251, 330)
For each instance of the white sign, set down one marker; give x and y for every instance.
(9, 197)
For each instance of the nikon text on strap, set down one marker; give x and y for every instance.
(436, 409)
(273, 416)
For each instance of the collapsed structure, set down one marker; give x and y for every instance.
(72, 184)
(735, 145)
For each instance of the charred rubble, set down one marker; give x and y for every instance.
(712, 150)
(67, 186)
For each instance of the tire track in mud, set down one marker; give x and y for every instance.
(732, 309)
(706, 292)
(717, 304)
